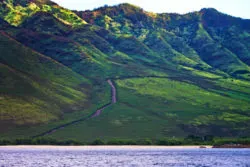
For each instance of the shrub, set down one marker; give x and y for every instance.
(98, 142)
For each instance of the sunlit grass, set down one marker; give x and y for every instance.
(15, 15)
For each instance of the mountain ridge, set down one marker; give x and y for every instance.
(175, 75)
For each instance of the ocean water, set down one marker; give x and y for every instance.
(119, 156)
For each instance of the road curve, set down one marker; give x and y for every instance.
(113, 99)
(113, 93)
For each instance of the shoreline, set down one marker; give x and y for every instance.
(103, 147)
(117, 147)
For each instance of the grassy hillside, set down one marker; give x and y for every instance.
(175, 74)
(166, 107)
(201, 39)
(34, 88)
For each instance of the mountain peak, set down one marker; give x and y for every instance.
(208, 10)
(129, 5)
(215, 18)
(129, 8)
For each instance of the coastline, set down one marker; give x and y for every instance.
(232, 146)
(103, 147)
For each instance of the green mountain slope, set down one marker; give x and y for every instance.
(34, 88)
(175, 75)
(161, 107)
(206, 32)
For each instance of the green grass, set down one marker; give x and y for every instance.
(118, 121)
(36, 89)
(157, 107)
(100, 96)
(182, 92)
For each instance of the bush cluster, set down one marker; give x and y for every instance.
(190, 140)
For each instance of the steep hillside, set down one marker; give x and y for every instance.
(183, 39)
(175, 75)
(34, 88)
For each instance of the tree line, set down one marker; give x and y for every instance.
(190, 140)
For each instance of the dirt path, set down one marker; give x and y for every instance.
(96, 114)
(113, 99)
(113, 93)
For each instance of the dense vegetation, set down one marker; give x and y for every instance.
(15, 12)
(190, 140)
(175, 75)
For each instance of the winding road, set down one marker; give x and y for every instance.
(113, 92)
(113, 99)
(95, 114)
